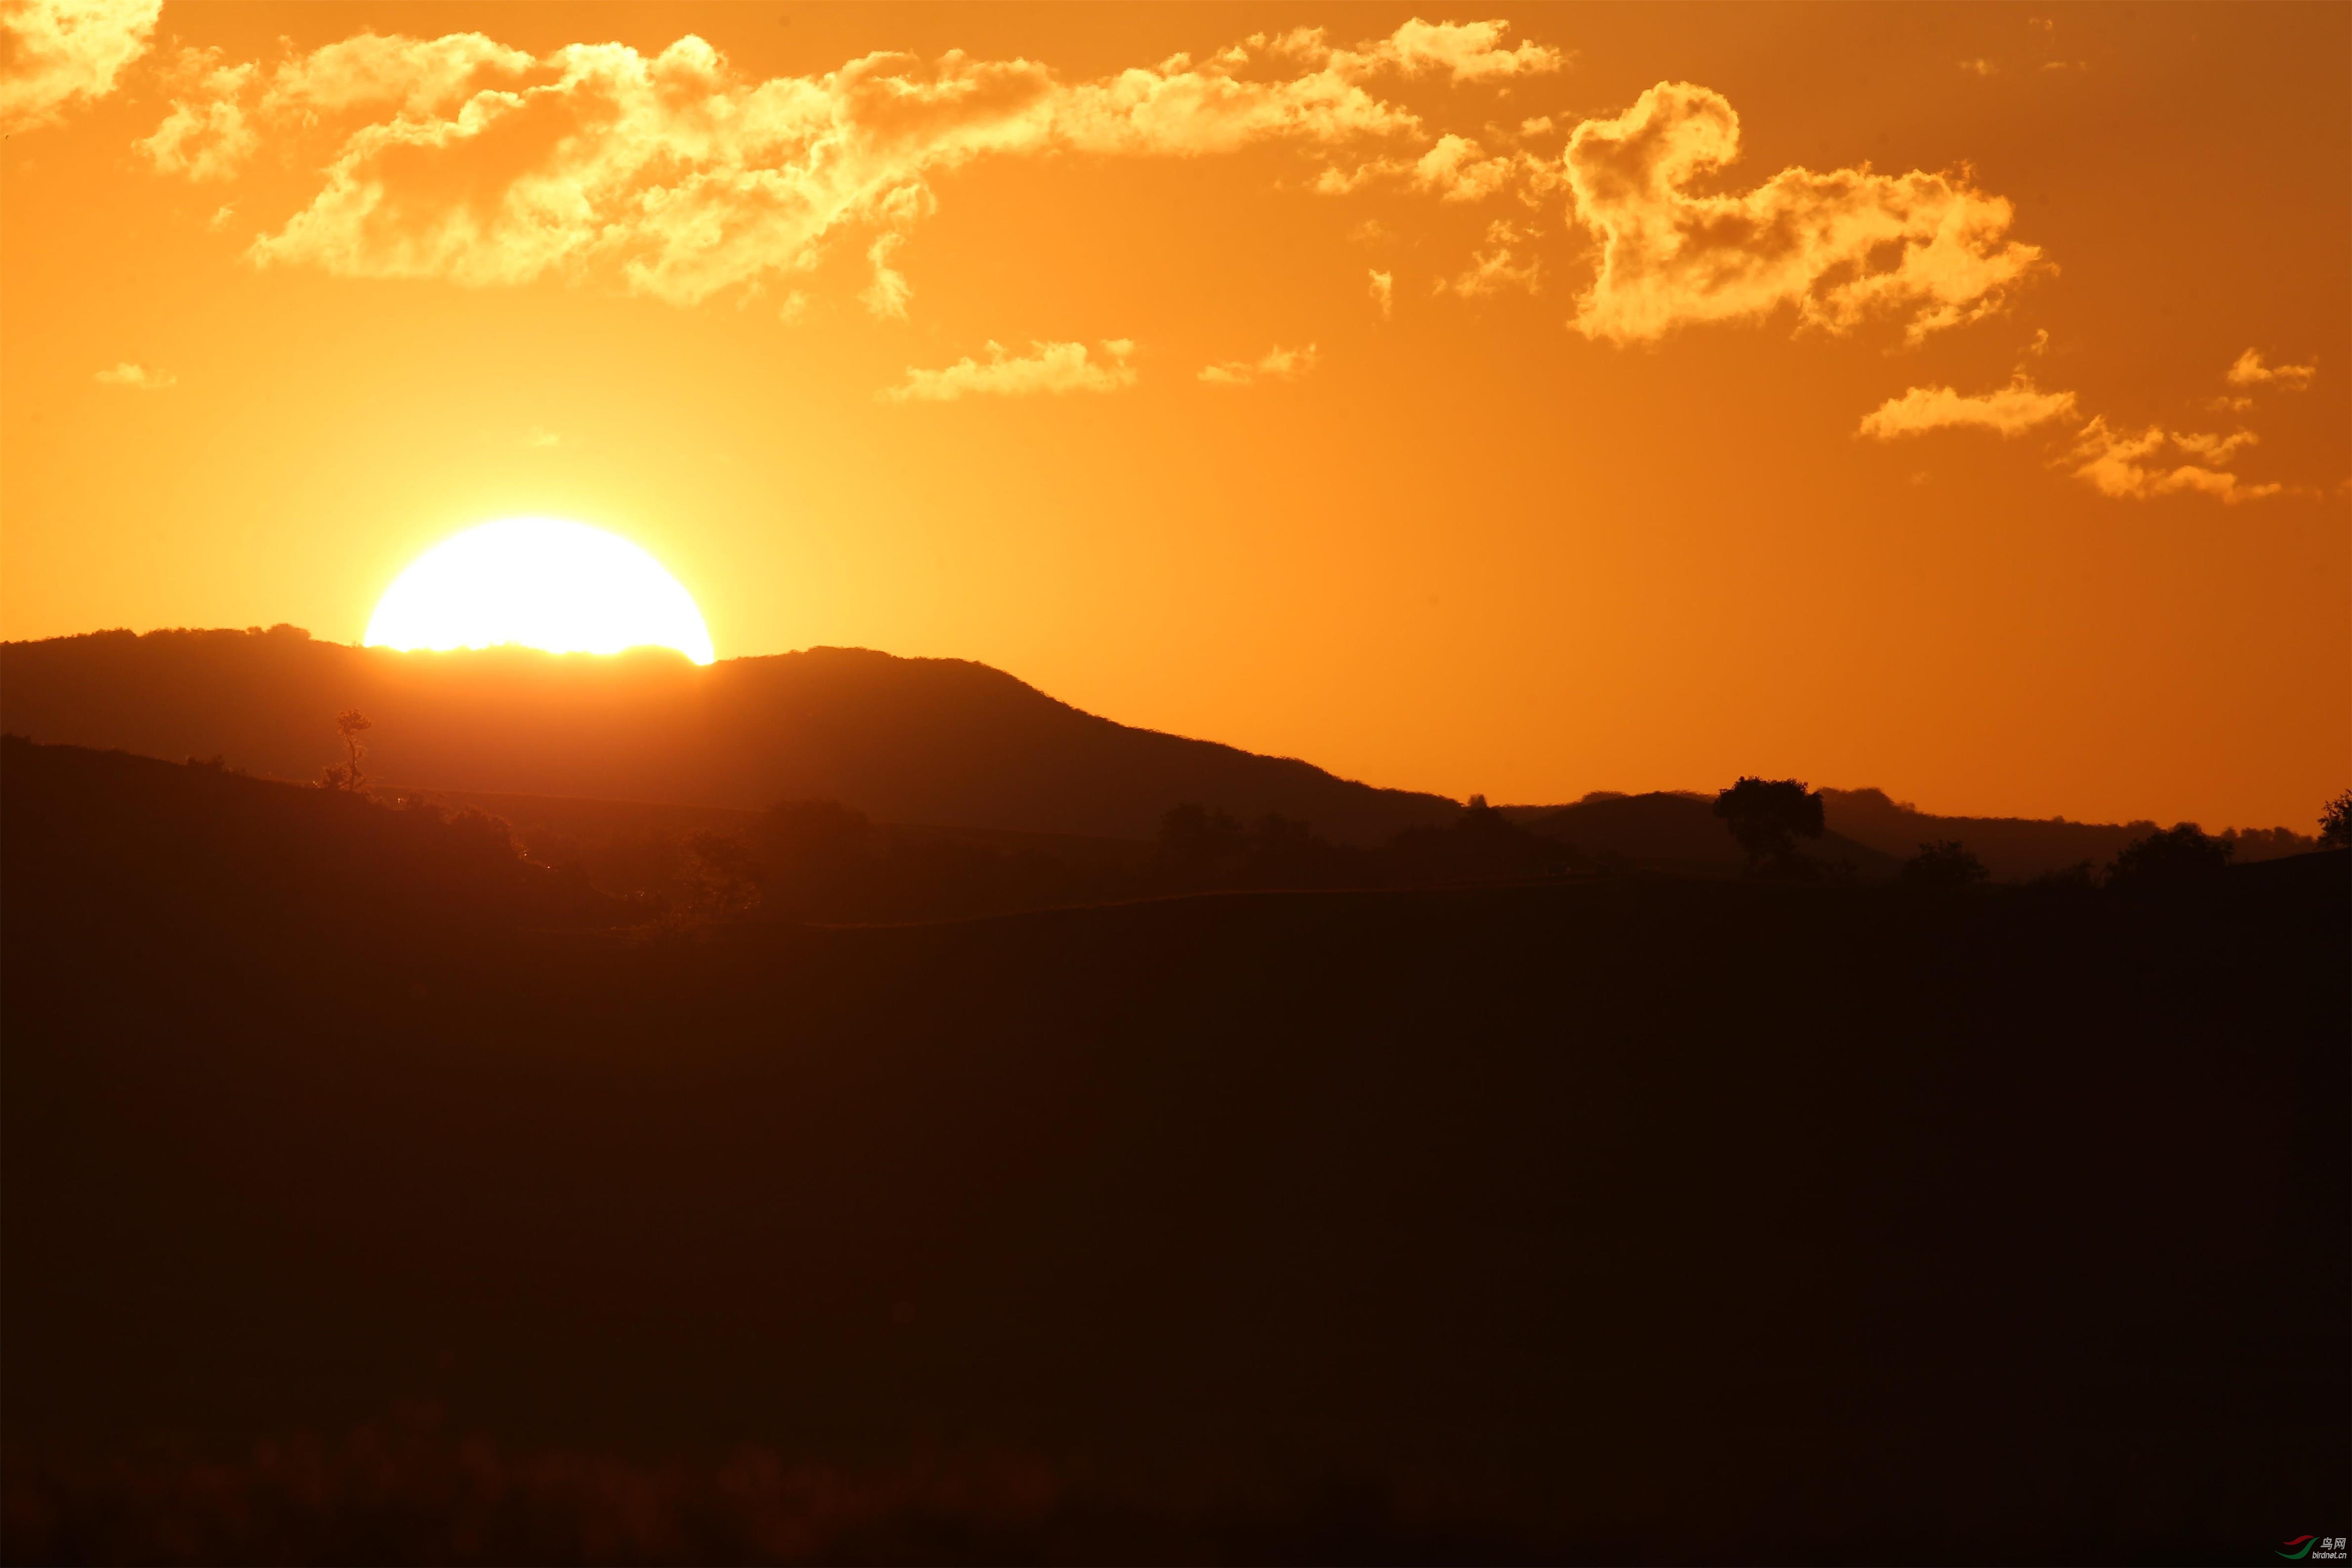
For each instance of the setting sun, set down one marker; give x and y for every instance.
(540, 582)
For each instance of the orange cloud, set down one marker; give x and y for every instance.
(2010, 411)
(1384, 292)
(137, 377)
(459, 158)
(2122, 465)
(2129, 468)
(207, 136)
(55, 51)
(1492, 271)
(1276, 364)
(1838, 247)
(2249, 370)
(1048, 368)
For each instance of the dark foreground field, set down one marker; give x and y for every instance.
(362, 1203)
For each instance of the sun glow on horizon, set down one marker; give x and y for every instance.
(542, 582)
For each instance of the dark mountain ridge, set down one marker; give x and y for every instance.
(946, 743)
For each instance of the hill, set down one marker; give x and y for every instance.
(1680, 833)
(1867, 829)
(2015, 849)
(943, 742)
(1630, 1218)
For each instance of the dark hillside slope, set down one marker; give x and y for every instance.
(938, 742)
(1634, 1219)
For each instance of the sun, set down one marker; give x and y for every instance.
(542, 582)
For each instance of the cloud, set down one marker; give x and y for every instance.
(2248, 370)
(888, 293)
(1838, 247)
(2119, 465)
(1454, 169)
(1466, 51)
(1491, 271)
(55, 51)
(463, 159)
(207, 135)
(1048, 368)
(137, 377)
(2010, 411)
(2131, 468)
(1978, 67)
(1384, 292)
(540, 438)
(1276, 364)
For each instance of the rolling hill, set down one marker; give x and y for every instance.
(943, 742)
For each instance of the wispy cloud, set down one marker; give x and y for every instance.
(1929, 250)
(1492, 271)
(1047, 368)
(2123, 466)
(53, 52)
(137, 377)
(2009, 410)
(2248, 370)
(1276, 364)
(1384, 292)
(2135, 467)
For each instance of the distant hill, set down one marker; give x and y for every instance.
(945, 743)
(1675, 832)
(2017, 847)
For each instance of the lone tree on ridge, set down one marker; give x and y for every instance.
(1767, 817)
(346, 776)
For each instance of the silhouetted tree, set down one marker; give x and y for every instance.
(345, 776)
(730, 878)
(2335, 822)
(2180, 856)
(1198, 843)
(1947, 863)
(822, 858)
(1767, 817)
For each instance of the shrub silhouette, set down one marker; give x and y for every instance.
(2182, 856)
(345, 776)
(1947, 863)
(2335, 822)
(1767, 817)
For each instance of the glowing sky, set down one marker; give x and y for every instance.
(1519, 400)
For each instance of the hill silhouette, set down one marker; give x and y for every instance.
(944, 743)
(1616, 1218)
(1665, 831)
(2019, 847)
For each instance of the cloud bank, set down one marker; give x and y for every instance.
(1840, 248)
(55, 51)
(460, 158)
(1047, 367)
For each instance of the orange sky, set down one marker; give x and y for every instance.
(1656, 465)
